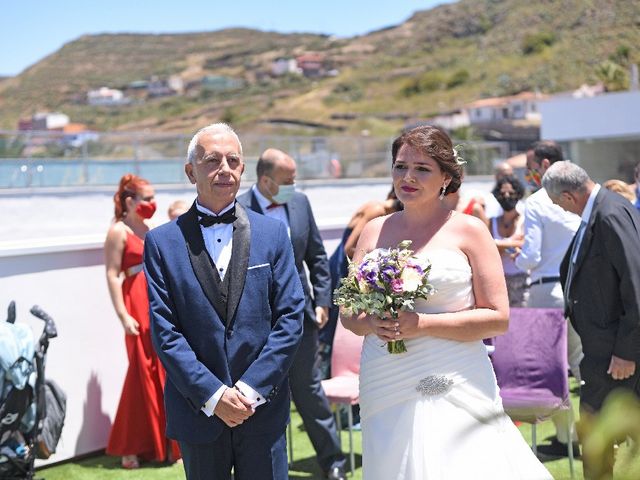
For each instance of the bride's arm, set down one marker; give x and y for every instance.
(490, 317)
(362, 324)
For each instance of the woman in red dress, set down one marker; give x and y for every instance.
(138, 431)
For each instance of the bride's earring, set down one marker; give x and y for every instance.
(442, 192)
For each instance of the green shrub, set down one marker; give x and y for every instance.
(428, 82)
(536, 42)
(458, 78)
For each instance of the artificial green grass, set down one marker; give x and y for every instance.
(304, 462)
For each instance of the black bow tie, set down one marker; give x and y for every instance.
(207, 220)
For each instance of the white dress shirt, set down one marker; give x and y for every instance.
(548, 231)
(218, 240)
(279, 212)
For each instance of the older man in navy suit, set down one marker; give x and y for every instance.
(226, 307)
(274, 196)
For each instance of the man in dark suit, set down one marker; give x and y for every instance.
(274, 195)
(601, 282)
(226, 307)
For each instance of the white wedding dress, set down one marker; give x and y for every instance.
(434, 412)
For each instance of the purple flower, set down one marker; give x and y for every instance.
(388, 273)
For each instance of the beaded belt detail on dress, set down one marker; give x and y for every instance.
(434, 385)
(131, 271)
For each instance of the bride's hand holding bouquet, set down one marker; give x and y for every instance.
(385, 283)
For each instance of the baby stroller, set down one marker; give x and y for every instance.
(22, 393)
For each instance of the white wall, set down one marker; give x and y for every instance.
(88, 358)
(611, 115)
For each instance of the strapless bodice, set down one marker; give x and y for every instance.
(451, 276)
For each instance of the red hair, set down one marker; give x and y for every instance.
(130, 185)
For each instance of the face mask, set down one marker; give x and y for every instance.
(534, 179)
(146, 209)
(507, 204)
(285, 192)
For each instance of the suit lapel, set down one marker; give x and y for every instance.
(202, 264)
(255, 205)
(237, 272)
(297, 223)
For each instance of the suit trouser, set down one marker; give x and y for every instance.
(311, 402)
(549, 295)
(598, 385)
(252, 457)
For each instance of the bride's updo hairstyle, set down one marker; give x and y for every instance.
(130, 185)
(436, 144)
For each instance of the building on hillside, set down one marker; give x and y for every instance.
(219, 83)
(106, 96)
(164, 87)
(25, 124)
(523, 106)
(49, 121)
(312, 65)
(285, 65)
(518, 134)
(450, 120)
(77, 134)
(600, 133)
(138, 85)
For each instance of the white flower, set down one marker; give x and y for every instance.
(411, 279)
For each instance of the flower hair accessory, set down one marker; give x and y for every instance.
(456, 156)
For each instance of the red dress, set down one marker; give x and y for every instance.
(140, 423)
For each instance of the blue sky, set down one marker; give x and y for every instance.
(32, 29)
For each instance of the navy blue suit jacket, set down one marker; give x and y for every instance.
(307, 248)
(204, 345)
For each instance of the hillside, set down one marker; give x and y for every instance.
(437, 60)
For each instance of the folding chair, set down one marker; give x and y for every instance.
(530, 362)
(343, 387)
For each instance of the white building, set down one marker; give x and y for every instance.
(282, 66)
(105, 96)
(451, 120)
(600, 133)
(49, 121)
(523, 106)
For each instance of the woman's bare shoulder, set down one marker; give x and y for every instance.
(468, 223)
(117, 231)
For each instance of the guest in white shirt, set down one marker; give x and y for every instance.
(548, 231)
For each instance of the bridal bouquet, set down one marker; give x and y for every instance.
(385, 282)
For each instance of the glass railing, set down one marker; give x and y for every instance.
(30, 159)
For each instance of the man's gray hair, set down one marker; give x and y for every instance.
(564, 176)
(213, 129)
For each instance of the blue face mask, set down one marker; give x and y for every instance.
(285, 192)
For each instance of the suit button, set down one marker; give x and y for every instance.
(229, 333)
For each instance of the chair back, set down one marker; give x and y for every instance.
(532, 354)
(345, 353)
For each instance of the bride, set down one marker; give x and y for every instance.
(434, 412)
